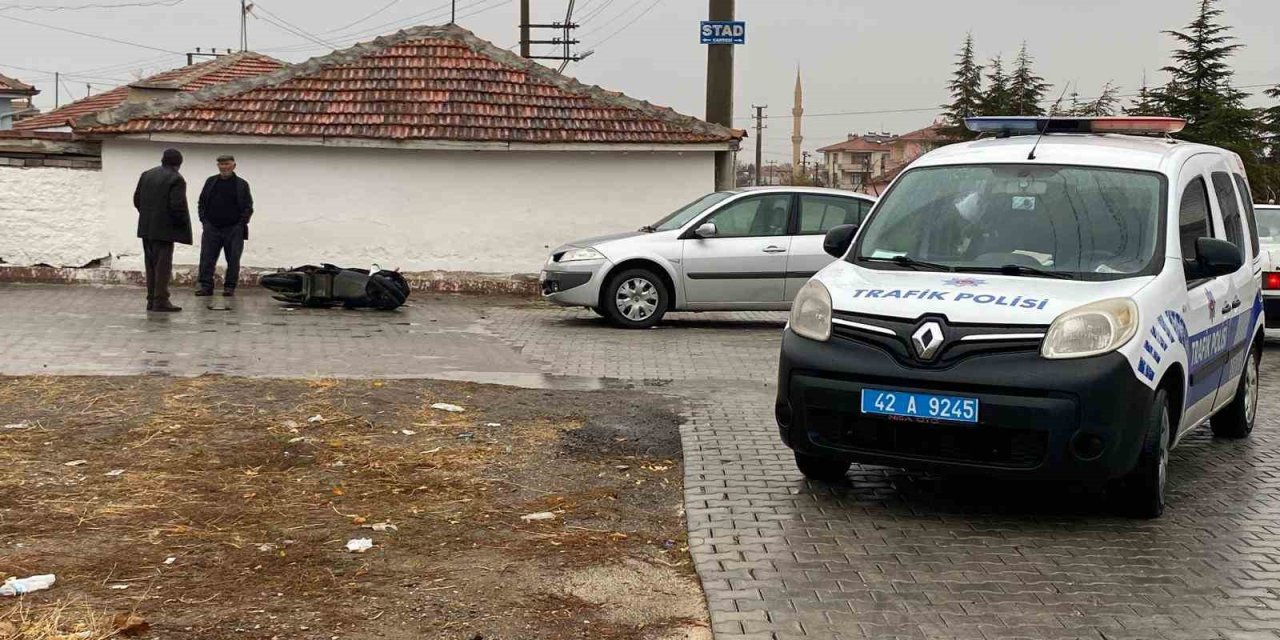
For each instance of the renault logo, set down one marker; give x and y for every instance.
(927, 340)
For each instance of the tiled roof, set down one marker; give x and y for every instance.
(856, 143)
(190, 78)
(13, 85)
(425, 83)
(929, 133)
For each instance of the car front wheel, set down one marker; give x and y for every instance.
(636, 299)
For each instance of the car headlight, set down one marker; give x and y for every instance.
(1096, 328)
(811, 312)
(579, 255)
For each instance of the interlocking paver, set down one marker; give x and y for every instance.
(887, 555)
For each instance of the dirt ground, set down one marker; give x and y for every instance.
(222, 508)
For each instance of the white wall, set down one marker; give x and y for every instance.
(51, 216)
(482, 211)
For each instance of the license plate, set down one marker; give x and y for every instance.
(924, 406)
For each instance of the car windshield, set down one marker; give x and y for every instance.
(684, 214)
(1268, 224)
(1087, 223)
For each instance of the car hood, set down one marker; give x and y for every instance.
(603, 243)
(965, 297)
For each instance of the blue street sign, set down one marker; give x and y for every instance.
(718, 32)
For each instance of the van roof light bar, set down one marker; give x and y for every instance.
(1004, 126)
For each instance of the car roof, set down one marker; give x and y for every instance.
(1142, 153)
(798, 189)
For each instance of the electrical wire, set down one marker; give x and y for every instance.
(82, 7)
(591, 15)
(286, 25)
(367, 17)
(87, 35)
(627, 25)
(413, 20)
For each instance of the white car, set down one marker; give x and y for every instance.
(1269, 235)
(747, 249)
(1052, 300)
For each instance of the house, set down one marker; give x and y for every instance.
(868, 163)
(428, 150)
(15, 100)
(52, 192)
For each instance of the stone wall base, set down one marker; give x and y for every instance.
(185, 276)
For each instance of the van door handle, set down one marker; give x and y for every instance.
(774, 249)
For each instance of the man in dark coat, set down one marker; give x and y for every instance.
(225, 208)
(163, 219)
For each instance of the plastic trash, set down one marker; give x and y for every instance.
(359, 545)
(114, 472)
(382, 527)
(17, 587)
(75, 463)
(445, 406)
(16, 425)
(543, 515)
(316, 418)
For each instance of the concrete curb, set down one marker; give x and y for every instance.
(185, 275)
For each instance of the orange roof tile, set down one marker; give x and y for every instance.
(190, 78)
(425, 83)
(13, 85)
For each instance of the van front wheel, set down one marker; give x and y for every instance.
(1142, 491)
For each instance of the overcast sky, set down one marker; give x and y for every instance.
(891, 57)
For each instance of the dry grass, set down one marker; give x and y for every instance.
(254, 487)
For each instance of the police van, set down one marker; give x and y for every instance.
(1062, 297)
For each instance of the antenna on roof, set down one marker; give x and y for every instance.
(1052, 109)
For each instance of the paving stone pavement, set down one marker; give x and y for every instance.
(886, 555)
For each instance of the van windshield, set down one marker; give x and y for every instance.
(683, 215)
(1085, 223)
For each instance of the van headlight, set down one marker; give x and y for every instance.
(811, 312)
(1096, 328)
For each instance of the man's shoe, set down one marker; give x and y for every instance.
(166, 308)
(228, 293)
(200, 293)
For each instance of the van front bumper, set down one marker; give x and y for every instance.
(1079, 419)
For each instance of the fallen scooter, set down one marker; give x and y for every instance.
(328, 286)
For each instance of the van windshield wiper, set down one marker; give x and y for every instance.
(1019, 270)
(908, 261)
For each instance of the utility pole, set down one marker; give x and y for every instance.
(804, 165)
(524, 28)
(759, 139)
(244, 25)
(57, 82)
(720, 90)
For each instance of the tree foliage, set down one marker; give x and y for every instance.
(996, 100)
(966, 91)
(1027, 90)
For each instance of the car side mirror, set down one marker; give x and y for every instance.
(707, 230)
(838, 239)
(1215, 257)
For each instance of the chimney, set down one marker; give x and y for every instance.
(149, 92)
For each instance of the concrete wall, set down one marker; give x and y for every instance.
(475, 211)
(51, 216)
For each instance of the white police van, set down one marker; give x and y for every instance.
(1055, 298)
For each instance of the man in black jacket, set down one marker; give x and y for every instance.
(163, 219)
(225, 208)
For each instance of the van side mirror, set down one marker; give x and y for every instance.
(706, 230)
(838, 239)
(1215, 257)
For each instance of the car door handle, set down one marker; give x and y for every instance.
(774, 249)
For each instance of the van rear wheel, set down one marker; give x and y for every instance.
(1142, 490)
(1236, 419)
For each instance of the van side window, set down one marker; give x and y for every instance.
(1193, 217)
(1231, 219)
(1250, 217)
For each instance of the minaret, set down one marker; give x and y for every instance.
(797, 170)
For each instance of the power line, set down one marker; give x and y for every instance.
(590, 15)
(615, 17)
(628, 24)
(286, 25)
(353, 36)
(87, 35)
(367, 17)
(82, 7)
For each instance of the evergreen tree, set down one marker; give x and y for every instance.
(1266, 181)
(1103, 105)
(1200, 90)
(966, 92)
(1072, 108)
(1026, 89)
(1146, 103)
(997, 100)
